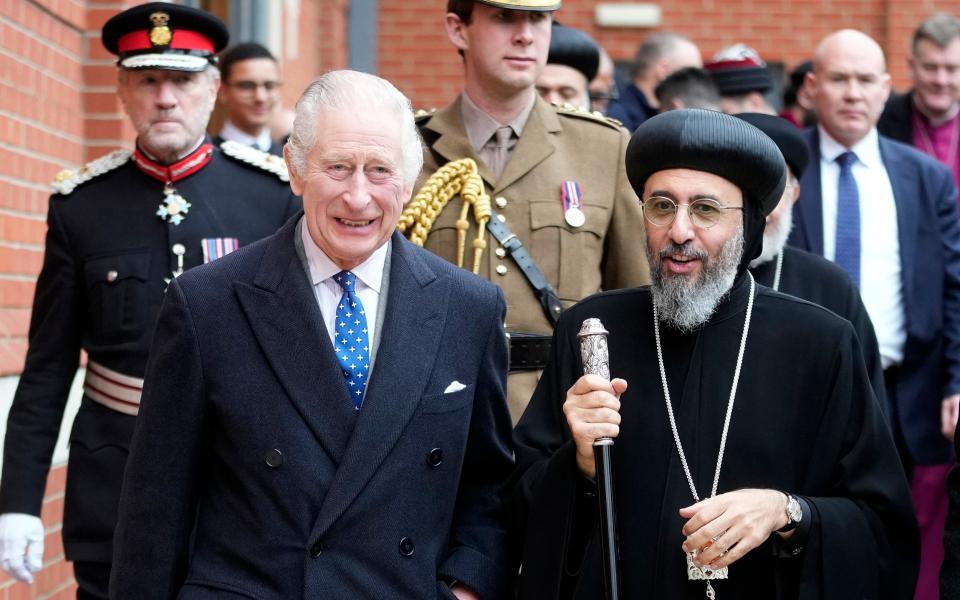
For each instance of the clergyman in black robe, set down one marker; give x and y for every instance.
(804, 423)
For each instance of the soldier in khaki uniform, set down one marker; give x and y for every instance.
(555, 176)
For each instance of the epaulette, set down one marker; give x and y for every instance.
(422, 113)
(596, 116)
(67, 180)
(258, 158)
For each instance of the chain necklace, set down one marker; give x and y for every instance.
(694, 572)
(777, 271)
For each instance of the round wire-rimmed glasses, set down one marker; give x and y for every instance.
(703, 212)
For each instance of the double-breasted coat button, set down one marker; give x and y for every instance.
(406, 547)
(500, 252)
(501, 202)
(435, 458)
(501, 269)
(317, 549)
(112, 275)
(274, 458)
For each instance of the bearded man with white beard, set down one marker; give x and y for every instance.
(803, 274)
(752, 460)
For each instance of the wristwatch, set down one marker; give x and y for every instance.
(794, 514)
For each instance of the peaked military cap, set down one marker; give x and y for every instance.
(535, 5)
(160, 35)
(786, 136)
(575, 49)
(705, 140)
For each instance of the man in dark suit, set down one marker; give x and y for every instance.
(264, 463)
(119, 229)
(887, 214)
(250, 94)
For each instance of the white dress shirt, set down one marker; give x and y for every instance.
(232, 132)
(881, 286)
(328, 292)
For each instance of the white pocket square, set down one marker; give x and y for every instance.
(455, 386)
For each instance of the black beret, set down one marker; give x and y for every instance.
(787, 137)
(574, 48)
(738, 70)
(705, 140)
(160, 35)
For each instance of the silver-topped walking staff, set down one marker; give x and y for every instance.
(596, 361)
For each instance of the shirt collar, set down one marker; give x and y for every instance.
(480, 126)
(232, 132)
(867, 149)
(370, 271)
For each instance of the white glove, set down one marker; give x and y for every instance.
(21, 545)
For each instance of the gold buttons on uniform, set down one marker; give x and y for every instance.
(112, 275)
(501, 270)
(500, 252)
(501, 202)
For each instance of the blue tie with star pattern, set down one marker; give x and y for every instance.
(351, 343)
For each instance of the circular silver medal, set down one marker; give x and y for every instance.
(574, 217)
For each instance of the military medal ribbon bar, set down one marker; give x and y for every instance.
(571, 195)
(214, 248)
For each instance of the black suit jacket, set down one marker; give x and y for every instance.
(250, 474)
(929, 235)
(896, 122)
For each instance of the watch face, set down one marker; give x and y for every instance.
(793, 510)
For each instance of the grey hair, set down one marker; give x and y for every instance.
(940, 29)
(654, 47)
(354, 91)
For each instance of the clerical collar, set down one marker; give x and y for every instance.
(186, 166)
(261, 141)
(480, 126)
(954, 111)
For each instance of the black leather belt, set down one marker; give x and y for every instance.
(528, 351)
(549, 301)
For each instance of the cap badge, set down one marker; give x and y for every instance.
(160, 35)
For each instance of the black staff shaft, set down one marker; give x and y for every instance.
(603, 459)
(596, 361)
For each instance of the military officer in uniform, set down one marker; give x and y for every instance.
(564, 222)
(119, 230)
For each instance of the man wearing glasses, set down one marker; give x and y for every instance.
(250, 93)
(752, 460)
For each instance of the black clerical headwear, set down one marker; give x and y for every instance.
(786, 136)
(160, 35)
(705, 140)
(574, 48)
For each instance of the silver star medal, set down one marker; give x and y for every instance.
(174, 207)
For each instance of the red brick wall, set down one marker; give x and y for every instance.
(415, 54)
(55, 581)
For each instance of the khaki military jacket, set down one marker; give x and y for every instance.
(556, 145)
